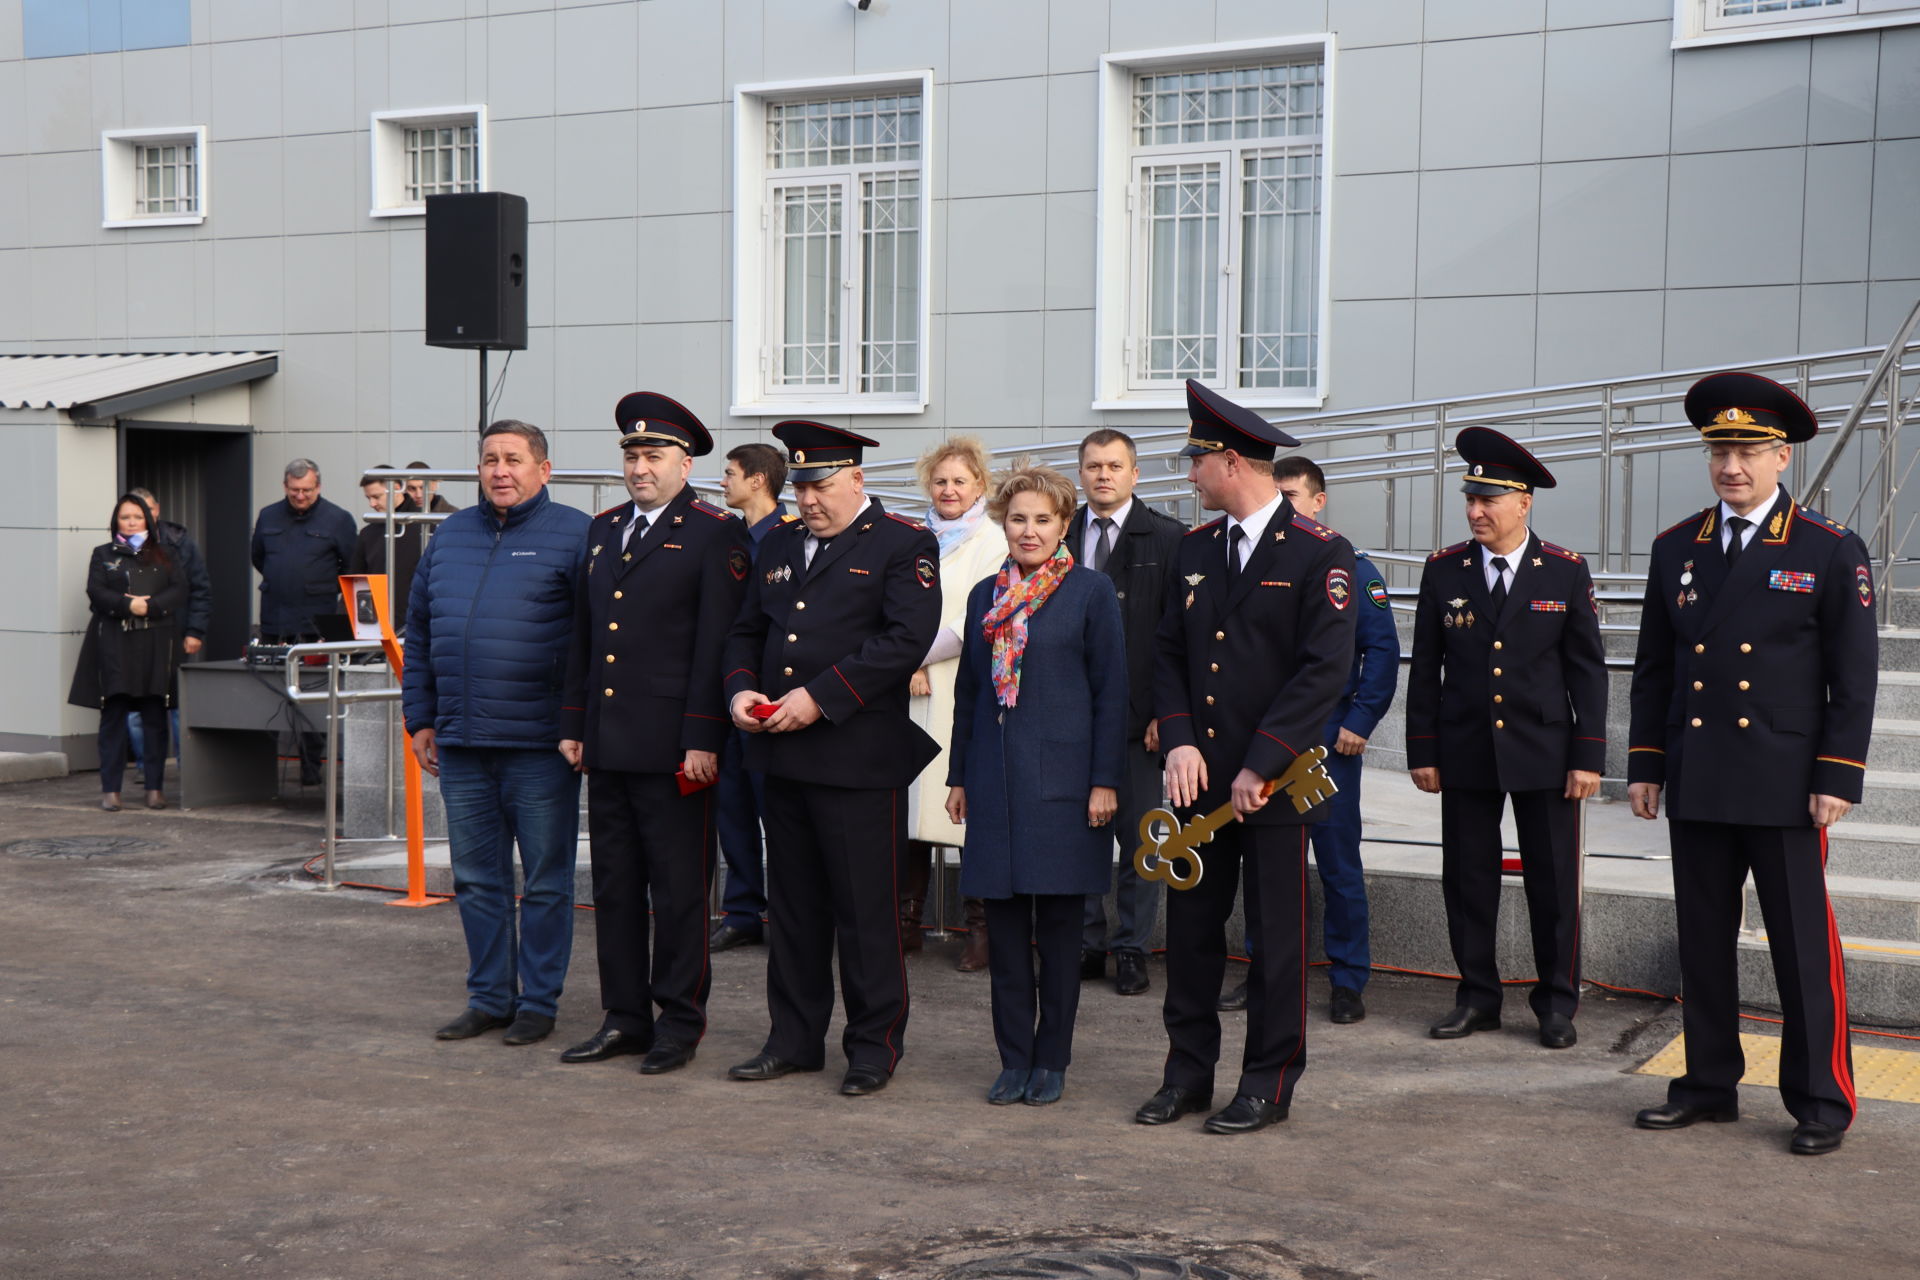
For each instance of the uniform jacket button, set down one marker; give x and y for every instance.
(1746, 648)
(613, 626)
(1209, 733)
(1699, 648)
(791, 637)
(1213, 666)
(1496, 671)
(1209, 699)
(619, 595)
(799, 604)
(1743, 686)
(1219, 635)
(1498, 645)
(1499, 724)
(786, 671)
(609, 657)
(1697, 686)
(1743, 722)
(1498, 698)
(609, 693)
(1695, 722)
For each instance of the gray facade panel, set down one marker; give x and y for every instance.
(1376, 22)
(245, 90)
(594, 174)
(1468, 19)
(1376, 113)
(1464, 345)
(1153, 24)
(16, 275)
(1583, 336)
(156, 89)
(997, 230)
(62, 202)
(59, 94)
(61, 294)
(916, 36)
(317, 90)
(249, 203)
(1479, 231)
(1603, 225)
(15, 135)
(1897, 109)
(1740, 96)
(1480, 101)
(1071, 236)
(1728, 326)
(1760, 244)
(1840, 182)
(680, 159)
(1843, 75)
(683, 275)
(1371, 346)
(681, 46)
(320, 284)
(1253, 19)
(1607, 92)
(1896, 209)
(521, 68)
(1068, 367)
(1832, 316)
(427, 65)
(320, 182)
(1076, 35)
(1073, 111)
(995, 369)
(604, 60)
(596, 274)
(995, 143)
(1376, 235)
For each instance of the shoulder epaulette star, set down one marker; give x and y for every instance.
(1313, 527)
(911, 524)
(1687, 524)
(706, 508)
(1455, 549)
(1562, 552)
(1818, 521)
(1211, 524)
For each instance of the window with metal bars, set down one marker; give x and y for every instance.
(441, 159)
(164, 180)
(1762, 19)
(843, 217)
(1225, 199)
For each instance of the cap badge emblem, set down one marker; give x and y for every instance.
(800, 455)
(1478, 469)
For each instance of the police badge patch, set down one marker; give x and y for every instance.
(1339, 588)
(926, 571)
(1863, 586)
(737, 563)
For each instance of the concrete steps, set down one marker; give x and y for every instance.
(1874, 851)
(1883, 979)
(1898, 697)
(1891, 797)
(1864, 907)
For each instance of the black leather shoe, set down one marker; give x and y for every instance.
(726, 937)
(1045, 1086)
(528, 1028)
(607, 1042)
(1093, 966)
(1463, 1022)
(1811, 1138)
(665, 1056)
(1009, 1087)
(470, 1024)
(1130, 973)
(1170, 1104)
(1245, 1115)
(1556, 1031)
(764, 1066)
(862, 1080)
(1346, 1006)
(1678, 1115)
(1233, 1001)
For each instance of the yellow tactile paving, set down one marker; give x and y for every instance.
(1891, 1075)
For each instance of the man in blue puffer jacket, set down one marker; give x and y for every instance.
(489, 620)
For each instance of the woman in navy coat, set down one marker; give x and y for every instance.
(1039, 735)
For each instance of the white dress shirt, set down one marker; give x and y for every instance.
(1253, 527)
(1512, 557)
(1753, 521)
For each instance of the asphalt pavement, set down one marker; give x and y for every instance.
(209, 1066)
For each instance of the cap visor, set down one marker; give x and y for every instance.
(810, 474)
(1486, 490)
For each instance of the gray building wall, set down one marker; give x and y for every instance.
(1523, 191)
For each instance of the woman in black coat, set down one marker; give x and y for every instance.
(136, 591)
(1039, 740)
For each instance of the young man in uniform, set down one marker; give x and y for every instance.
(1752, 701)
(644, 719)
(1254, 648)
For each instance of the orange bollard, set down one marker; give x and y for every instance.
(416, 843)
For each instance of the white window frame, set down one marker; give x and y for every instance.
(754, 284)
(1117, 308)
(1698, 22)
(387, 141)
(119, 176)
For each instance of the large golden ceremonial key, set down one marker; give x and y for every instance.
(1306, 783)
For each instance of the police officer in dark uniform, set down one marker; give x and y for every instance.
(841, 607)
(1753, 695)
(644, 717)
(1254, 649)
(1507, 698)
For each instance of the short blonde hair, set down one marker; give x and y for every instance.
(969, 449)
(1025, 477)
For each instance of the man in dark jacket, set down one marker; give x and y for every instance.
(301, 546)
(644, 718)
(488, 628)
(370, 546)
(1134, 545)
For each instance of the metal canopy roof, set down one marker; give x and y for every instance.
(104, 386)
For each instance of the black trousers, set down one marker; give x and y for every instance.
(1033, 1014)
(1711, 861)
(651, 843)
(832, 886)
(1274, 861)
(1549, 827)
(113, 740)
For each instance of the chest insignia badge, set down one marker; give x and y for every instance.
(1459, 602)
(1195, 579)
(1538, 563)
(1189, 599)
(1773, 526)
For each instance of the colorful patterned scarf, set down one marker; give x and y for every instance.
(1015, 600)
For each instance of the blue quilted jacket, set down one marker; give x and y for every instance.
(488, 624)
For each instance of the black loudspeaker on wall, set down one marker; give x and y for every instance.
(477, 271)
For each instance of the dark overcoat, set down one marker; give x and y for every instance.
(1513, 702)
(1141, 564)
(122, 654)
(1754, 684)
(1028, 768)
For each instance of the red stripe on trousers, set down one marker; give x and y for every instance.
(1837, 984)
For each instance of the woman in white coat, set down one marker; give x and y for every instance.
(954, 474)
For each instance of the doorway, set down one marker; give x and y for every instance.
(202, 477)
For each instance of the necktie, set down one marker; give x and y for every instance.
(819, 545)
(1499, 584)
(1102, 541)
(1235, 537)
(635, 531)
(1736, 531)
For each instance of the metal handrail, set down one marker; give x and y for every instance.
(336, 653)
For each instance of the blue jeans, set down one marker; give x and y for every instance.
(138, 736)
(495, 797)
